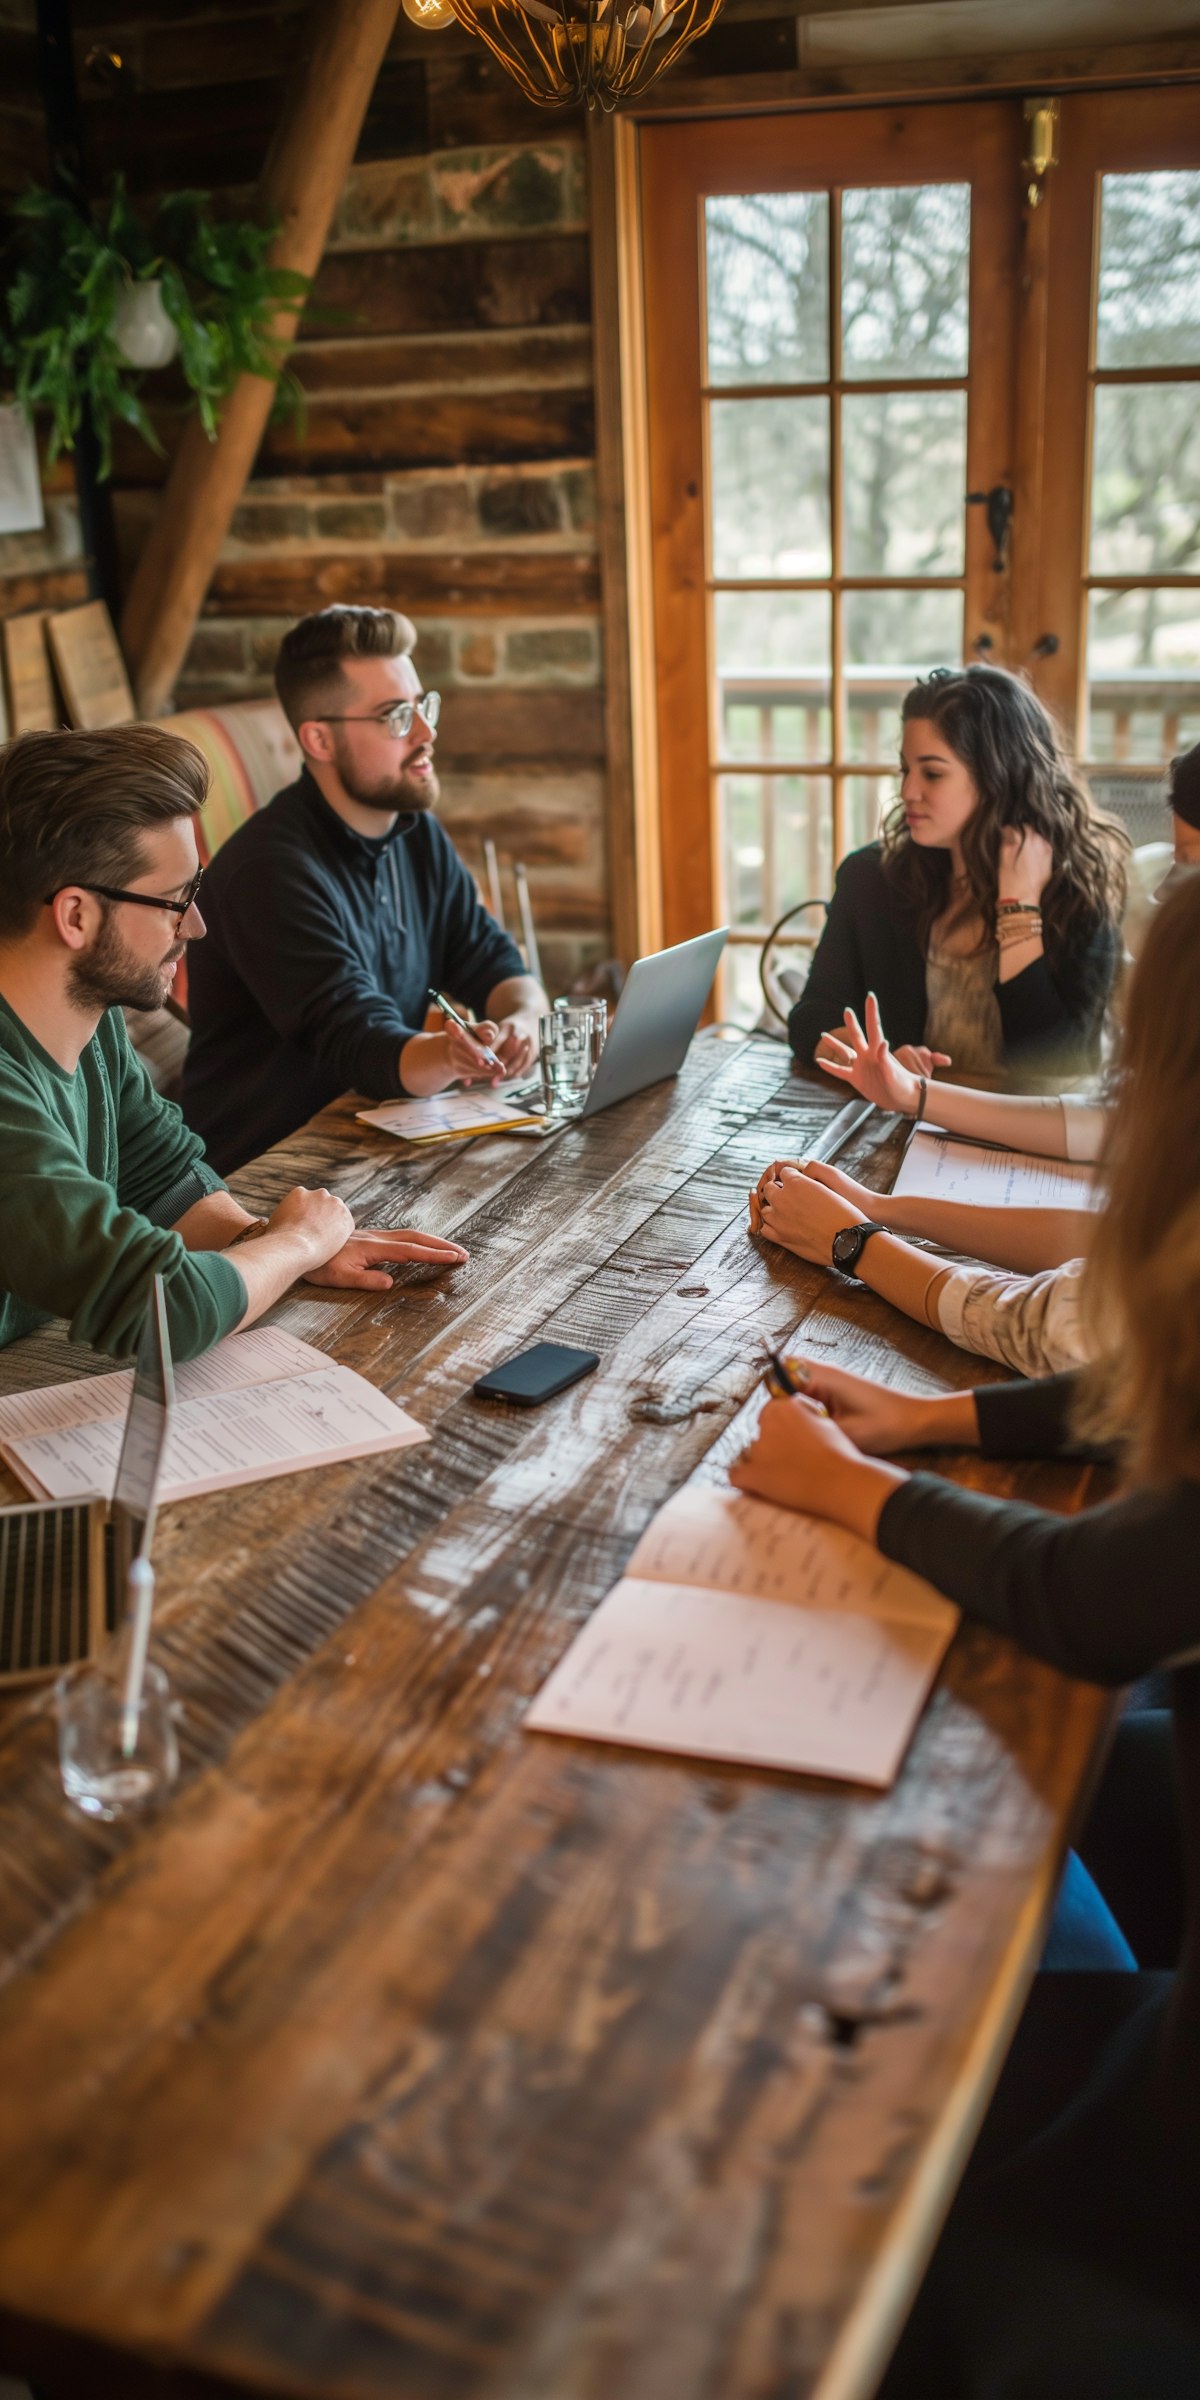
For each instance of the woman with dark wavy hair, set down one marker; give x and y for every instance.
(986, 919)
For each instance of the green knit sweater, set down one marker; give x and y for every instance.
(95, 1167)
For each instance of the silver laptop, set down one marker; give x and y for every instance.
(658, 1013)
(64, 1565)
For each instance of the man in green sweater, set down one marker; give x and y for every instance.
(102, 1186)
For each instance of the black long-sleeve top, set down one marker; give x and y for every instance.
(321, 949)
(1050, 1014)
(1108, 1595)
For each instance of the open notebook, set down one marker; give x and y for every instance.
(746, 1632)
(259, 1404)
(938, 1166)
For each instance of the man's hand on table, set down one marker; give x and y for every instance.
(361, 1264)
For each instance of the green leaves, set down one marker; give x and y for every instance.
(64, 268)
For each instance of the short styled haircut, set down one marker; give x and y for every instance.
(74, 805)
(308, 670)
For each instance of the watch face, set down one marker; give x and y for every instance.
(846, 1245)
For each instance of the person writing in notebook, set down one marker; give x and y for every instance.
(102, 1185)
(987, 917)
(335, 909)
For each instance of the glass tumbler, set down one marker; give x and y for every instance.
(97, 1777)
(565, 1046)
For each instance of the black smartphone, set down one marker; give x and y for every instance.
(536, 1375)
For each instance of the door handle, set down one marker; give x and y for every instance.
(999, 504)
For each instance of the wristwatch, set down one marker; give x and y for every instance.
(849, 1244)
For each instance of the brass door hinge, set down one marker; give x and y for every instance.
(1041, 146)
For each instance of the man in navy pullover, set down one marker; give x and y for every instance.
(333, 911)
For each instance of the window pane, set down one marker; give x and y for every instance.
(1146, 479)
(770, 487)
(768, 287)
(776, 844)
(891, 638)
(1143, 674)
(1149, 312)
(773, 652)
(865, 802)
(904, 482)
(904, 280)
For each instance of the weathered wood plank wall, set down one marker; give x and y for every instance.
(46, 569)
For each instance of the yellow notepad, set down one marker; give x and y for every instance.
(454, 1116)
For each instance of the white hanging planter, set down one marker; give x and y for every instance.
(142, 330)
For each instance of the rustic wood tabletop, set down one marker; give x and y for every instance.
(407, 2052)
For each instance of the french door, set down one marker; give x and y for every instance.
(894, 410)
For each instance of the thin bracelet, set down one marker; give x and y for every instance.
(922, 1097)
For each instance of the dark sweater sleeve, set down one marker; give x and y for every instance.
(475, 952)
(1056, 1006)
(1107, 1595)
(836, 978)
(1030, 1419)
(285, 938)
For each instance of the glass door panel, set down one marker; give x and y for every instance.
(815, 551)
(1122, 585)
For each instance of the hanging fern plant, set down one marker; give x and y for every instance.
(67, 270)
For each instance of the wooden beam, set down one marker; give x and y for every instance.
(301, 179)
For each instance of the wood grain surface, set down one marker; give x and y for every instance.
(409, 2053)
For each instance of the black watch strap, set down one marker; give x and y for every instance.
(849, 1244)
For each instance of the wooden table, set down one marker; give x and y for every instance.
(411, 2054)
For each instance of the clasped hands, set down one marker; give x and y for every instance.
(802, 1204)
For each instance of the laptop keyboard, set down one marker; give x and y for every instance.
(44, 1588)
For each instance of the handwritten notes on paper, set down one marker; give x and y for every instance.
(451, 1116)
(745, 1632)
(260, 1404)
(936, 1167)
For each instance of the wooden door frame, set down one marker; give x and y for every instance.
(681, 164)
(622, 419)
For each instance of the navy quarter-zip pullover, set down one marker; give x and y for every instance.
(320, 952)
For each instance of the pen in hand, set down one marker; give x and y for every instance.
(489, 1056)
(780, 1376)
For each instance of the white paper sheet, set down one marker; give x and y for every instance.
(936, 1167)
(260, 1404)
(815, 1655)
(452, 1113)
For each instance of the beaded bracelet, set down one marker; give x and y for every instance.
(1011, 929)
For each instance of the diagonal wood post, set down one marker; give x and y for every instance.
(304, 171)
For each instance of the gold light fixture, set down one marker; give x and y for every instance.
(563, 51)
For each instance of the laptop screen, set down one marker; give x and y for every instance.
(135, 1495)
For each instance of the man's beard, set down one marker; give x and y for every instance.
(109, 976)
(390, 794)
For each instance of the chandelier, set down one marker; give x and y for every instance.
(565, 51)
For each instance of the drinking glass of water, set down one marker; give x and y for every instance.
(565, 1043)
(101, 1774)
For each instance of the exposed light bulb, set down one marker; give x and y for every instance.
(428, 14)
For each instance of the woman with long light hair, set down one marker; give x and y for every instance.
(1069, 2264)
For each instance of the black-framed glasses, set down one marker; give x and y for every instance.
(398, 720)
(175, 908)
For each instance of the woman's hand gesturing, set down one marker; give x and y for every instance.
(864, 1060)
